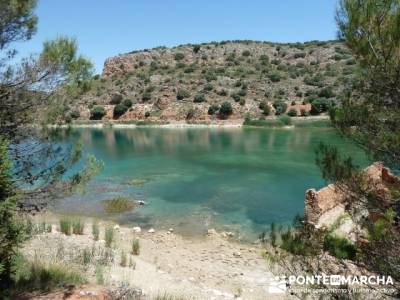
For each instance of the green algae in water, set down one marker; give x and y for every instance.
(136, 181)
(118, 205)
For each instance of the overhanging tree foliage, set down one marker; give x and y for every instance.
(370, 110)
(31, 96)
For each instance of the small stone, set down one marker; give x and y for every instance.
(151, 230)
(237, 254)
(211, 231)
(171, 230)
(137, 229)
(116, 227)
(141, 202)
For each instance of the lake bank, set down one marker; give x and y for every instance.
(237, 123)
(211, 267)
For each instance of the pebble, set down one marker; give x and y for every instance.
(211, 231)
(237, 254)
(116, 227)
(137, 229)
(151, 230)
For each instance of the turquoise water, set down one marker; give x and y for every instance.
(230, 179)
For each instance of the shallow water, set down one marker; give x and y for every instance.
(238, 179)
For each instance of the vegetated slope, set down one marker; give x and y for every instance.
(192, 82)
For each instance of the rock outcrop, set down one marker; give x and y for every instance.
(325, 206)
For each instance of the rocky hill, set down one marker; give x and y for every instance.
(226, 80)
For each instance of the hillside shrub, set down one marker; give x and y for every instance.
(339, 247)
(116, 99)
(179, 56)
(182, 94)
(292, 112)
(320, 105)
(190, 114)
(225, 110)
(75, 114)
(127, 102)
(280, 107)
(119, 110)
(246, 53)
(300, 55)
(286, 120)
(97, 113)
(146, 96)
(196, 48)
(213, 109)
(199, 98)
(208, 87)
(275, 77)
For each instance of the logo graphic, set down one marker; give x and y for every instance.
(277, 285)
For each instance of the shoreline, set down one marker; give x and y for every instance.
(213, 267)
(239, 123)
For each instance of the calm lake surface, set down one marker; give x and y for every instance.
(229, 179)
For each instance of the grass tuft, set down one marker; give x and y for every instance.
(95, 231)
(109, 236)
(78, 226)
(135, 247)
(66, 226)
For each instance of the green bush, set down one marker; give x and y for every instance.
(190, 114)
(303, 112)
(300, 55)
(320, 105)
(146, 96)
(275, 77)
(199, 98)
(222, 92)
(225, 110)
(242, 102)
(75, 114)
(285, 120)
(119, 110)
(127, 102)
(326, 92)
(97, 113)
(116, 99)
(213, 109)
(292, 112)
(182, 94)
(339, 247)
(208, 87)
(179, 56)
(246, 53)
(196, 48)
(280, 107)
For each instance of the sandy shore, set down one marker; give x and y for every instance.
(210, 267)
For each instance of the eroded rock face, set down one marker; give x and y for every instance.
(324, 207)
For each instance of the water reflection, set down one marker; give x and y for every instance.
(242, 177)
